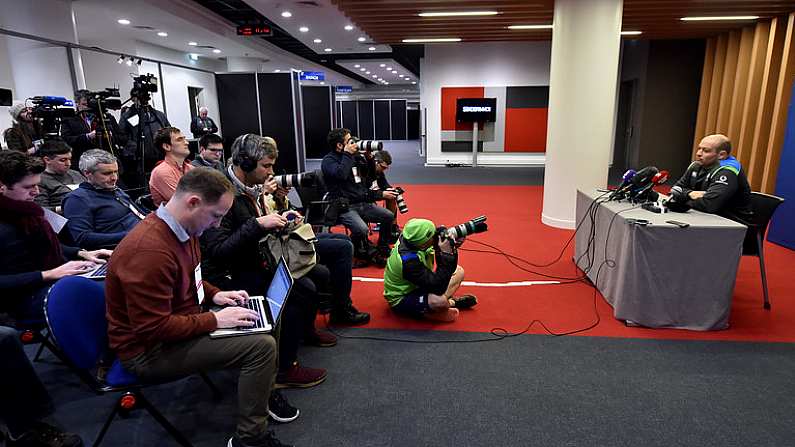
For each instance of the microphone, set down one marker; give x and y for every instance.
(618, 193)
(641, 180)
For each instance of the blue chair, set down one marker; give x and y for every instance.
(75, 312)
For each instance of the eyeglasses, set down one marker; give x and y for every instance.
(383, 165)
(215, 150)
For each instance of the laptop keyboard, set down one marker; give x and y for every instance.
(255, 303)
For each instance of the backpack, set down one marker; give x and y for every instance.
(296, 243)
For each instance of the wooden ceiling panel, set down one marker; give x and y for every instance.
(391, 21)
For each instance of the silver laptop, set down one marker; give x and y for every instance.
(99, 272)
(269, 308)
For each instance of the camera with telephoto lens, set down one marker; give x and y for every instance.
(292, 180)
(48, 111)
(401, 202)
(143, 87)
(368, 145)
(459, 232)
(100, 101)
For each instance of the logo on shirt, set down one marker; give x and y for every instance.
(722, 180)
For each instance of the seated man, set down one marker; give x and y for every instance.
(352, 199)
(100, 214)
(57, 180)
(174, 150)
(24, 402)
(202, 125)
(31, 257)
(411, 287)
(378, 163)
(716, 183)
(211, 151)
(157, 305)
(232, 255)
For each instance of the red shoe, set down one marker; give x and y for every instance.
(298, 376)
(320, 339)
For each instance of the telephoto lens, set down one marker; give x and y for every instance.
(401, 202)
(476, 225)
(369, 145)
(292, 180)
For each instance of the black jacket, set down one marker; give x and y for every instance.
(197, 126)
(339, 179)
(152, 121)
(20, 136)
(74, 130)
(727, 190)
(414, 271)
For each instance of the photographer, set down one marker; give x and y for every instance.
(378, 163)
(21, 135)
(57, 180)
(351, 197)
(411, 287)
(139, 125)
(86, 130)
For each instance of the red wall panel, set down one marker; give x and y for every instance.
(525, 130)
(449, 97)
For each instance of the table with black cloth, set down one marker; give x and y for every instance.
(664, 276)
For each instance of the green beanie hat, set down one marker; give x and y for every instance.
(418, 231)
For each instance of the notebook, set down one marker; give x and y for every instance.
(269, 308)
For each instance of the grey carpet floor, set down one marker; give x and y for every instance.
(529, 390)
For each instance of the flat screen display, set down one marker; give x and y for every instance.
(471, 110)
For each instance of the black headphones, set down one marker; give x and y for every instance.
(242, 157)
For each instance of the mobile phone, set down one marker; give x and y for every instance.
(677, 223)
(643, 222)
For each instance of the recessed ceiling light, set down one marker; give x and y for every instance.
(216, 50)
(123, 22)
(375, 76)
(318, 41)
(287, 14)
(530, 27)
(348, 28)
(380, 80)
(120, 60)
(162, 34)
(303, 29)
(356, 66)
(414, 82)
(129, 62)
(388, 68)
(362, 69)
(400, 76)
(706, 19)
(437, 40)
(631, 33)
(385, 82)
(193, 44)
(361, 39)
(193, 56)
(277, 71)
(458, 13)
(371, 48)
(322, 83)
(382, 65)
(327, 50)
(367, 72)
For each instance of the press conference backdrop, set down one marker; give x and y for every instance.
(782, 228)
(381, 119)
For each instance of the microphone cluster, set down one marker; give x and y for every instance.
(637, 186)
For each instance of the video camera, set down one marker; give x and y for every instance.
(49, 111)
(100, 101)
(143, 87)
(368, 145)
(459, 232)
(292, 180)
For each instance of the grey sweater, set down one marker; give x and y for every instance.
(54, 187)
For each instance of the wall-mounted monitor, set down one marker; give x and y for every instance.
(471, 110)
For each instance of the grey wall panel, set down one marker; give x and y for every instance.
(366, 121)
(317, 119)
(237, 104)
(398, 117)
(382, 121)
(277, 115)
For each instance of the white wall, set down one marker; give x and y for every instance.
(175, 86)
(508, 64)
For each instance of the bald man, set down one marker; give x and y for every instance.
(716, 183)
(202, 124)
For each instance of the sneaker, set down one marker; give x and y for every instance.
(45, 435)
(464, 301)
(269, 441)
(280, 410)
(320, 339)
(350, 316)
(300, 377)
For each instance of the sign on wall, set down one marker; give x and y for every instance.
(344, 89)
(312, 76)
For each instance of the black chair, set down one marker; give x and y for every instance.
(314, 203)
(763, 206)
(145, 203)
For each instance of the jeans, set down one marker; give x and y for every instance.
(335, 251)
(354, 219)
(23, 398)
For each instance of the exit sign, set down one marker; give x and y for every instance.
(254, 30)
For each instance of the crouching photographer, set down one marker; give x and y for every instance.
(411, 286)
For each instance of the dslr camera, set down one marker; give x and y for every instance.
(368, 145)
(143, 87)
(306, 179)
(457, 233)
(401, 202)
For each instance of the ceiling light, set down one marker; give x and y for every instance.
(367, 72)
(303, 29)
(414, 82)
(530, 27)
(361, 39)
(371, 48)
(318, 41)
(385, 82)
(375, 76)
(438, 40)
(380, 80)
(123, 22)
(216, 50)
(327, 50)
(193, 56)
(192, 43)
(705, 19)
(120, 60)
(362, 69)
(287, 14)
(388, 68)
(356, 66)
(458, 13)
(400, 76)
(322, 83)
(631, 33)
(382, 65)
(129, 62)
(277, 71)
(348, 28)
(162, 34)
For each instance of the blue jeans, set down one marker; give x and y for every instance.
(359, 213)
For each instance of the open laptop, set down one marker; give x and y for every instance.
(268, 307)
(99, 272)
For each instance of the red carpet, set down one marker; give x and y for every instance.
(514, 218)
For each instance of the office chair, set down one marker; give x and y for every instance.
(763, 206)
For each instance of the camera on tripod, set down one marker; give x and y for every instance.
(49, 111)
(100, 101)
(143, 87)
(305, 179)
(459, 232)
(368, 145)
